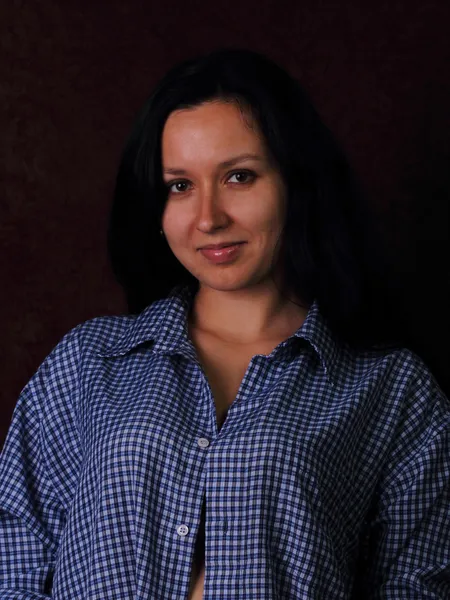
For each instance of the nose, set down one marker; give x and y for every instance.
(211, 213)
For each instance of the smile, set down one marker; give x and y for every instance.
(221, 254)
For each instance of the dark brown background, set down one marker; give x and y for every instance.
(73, 74)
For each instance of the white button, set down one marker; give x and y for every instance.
(182, 530)
(203, 442)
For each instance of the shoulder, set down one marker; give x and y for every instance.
(98, 336)
(408, 387)
(396, 379)
(90, 337)
(397, 366)
(405, 368)
(80, 349)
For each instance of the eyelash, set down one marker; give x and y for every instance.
(251, 177)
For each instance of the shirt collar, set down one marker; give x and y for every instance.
(164, 323)
(318, 334)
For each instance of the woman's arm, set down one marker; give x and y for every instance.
(38, 474)
(409, 543)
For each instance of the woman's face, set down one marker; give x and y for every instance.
(222, 189)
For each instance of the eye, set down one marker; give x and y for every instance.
(178, 187)
(242, 177)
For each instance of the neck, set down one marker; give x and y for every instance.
(246, 316)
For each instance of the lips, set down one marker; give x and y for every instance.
(224, 253)
(219, 246)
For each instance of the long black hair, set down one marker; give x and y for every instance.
(328, 252)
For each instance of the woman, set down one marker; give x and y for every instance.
(244, 432)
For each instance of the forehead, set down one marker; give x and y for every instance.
(211, 131)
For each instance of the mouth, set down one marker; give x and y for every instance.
(220, 246)
(222, 254)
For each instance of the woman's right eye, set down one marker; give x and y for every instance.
(177, 187)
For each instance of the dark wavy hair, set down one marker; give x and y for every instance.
(328, 251)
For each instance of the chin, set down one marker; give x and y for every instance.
(227, 287)
(230, 283)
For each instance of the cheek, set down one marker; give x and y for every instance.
(266, 212)
(174, 222)
(268, 222)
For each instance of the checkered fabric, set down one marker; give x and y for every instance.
(328, 480)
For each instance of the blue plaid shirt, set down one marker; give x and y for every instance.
(328, 480)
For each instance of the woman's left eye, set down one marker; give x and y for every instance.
(242, 177)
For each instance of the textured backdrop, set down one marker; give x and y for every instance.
(73, 74)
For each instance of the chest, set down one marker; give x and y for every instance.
(290, 443)
(224, 366)
(150, 428)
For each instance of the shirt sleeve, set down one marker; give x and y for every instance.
(409, 535)
(38, 473)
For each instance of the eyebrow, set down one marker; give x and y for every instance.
(223, 165)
